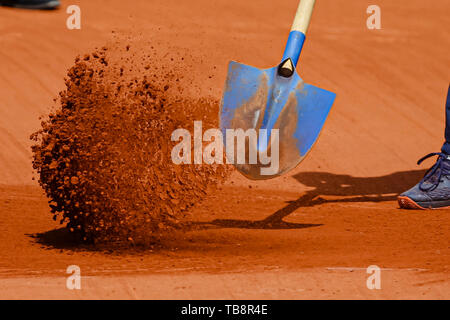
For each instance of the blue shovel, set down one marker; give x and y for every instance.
(271, 118)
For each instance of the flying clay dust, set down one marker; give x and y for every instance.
(103, 156)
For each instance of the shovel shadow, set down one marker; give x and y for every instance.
(351, 189)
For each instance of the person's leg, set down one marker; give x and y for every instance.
(446, 146)
(31, 4)
(433, 191)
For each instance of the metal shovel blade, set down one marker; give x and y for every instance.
(263, 99)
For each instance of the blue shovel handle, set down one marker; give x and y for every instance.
(294, 46)
(299, 27)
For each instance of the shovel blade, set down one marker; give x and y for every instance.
(261, 99)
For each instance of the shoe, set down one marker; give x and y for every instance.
(433, 191)
(31, 4)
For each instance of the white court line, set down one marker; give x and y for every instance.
(386, 269)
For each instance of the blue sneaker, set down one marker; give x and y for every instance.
(433, 191)
(31, 4)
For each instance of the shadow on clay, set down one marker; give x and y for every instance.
(354, 189)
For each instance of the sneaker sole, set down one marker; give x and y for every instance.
(408, 203)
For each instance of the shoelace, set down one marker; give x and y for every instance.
(432, 171)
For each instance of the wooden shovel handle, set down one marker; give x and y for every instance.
(303, 16)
